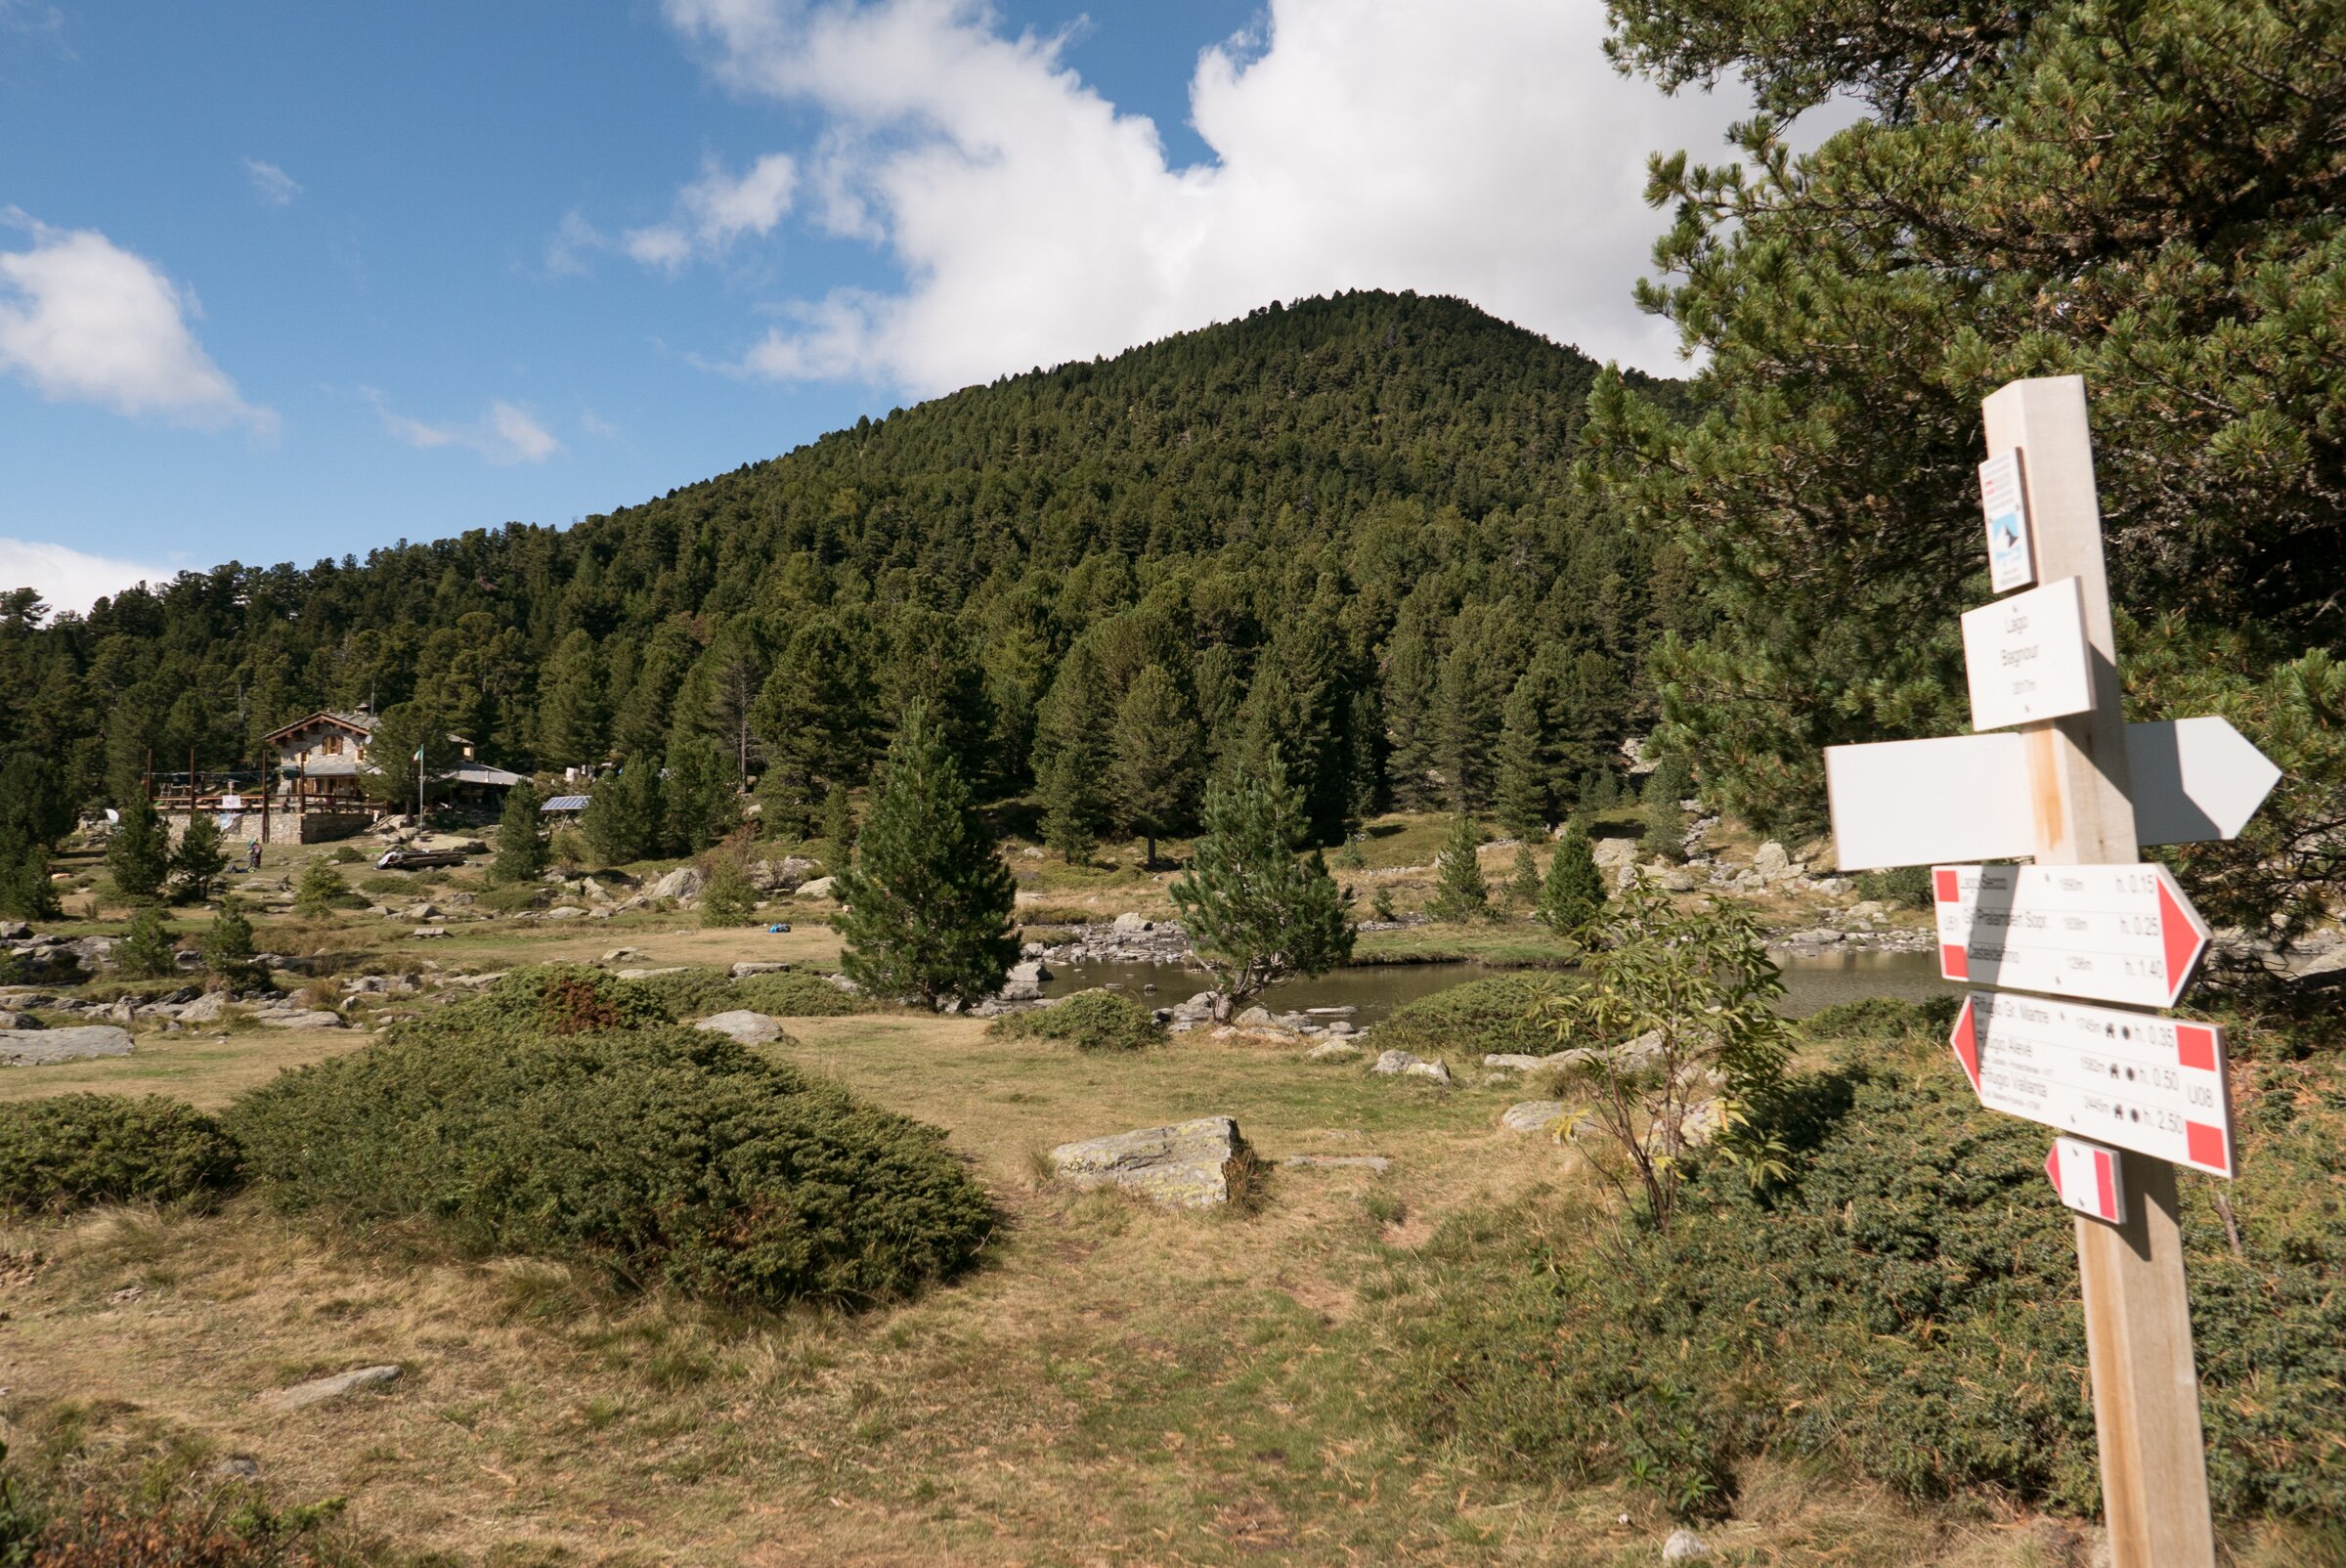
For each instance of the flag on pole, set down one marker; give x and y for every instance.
(419, 755)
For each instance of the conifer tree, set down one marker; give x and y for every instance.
(813, 722)
(1256, 911)
(1665, 818)
(622, 818)
(839, 823)
(1573, 893)
(572, 714)
(228, 950)
(1159, 762)
(1522, 792)
(1410, 712)
(33, 815)
(929, 898)
(145, 950)
(139, 855)
(1075, 744)
(522, 850)
(1523, 885)
(699, 802)
(1459, 892)
(320, 891)
(726, 896)
(200, 858)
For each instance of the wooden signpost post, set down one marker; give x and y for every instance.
(2078, 791)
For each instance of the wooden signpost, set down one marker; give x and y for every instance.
(2078, 791)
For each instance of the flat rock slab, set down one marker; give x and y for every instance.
(1375, 1163)
(1189, 1164)
(318, 1390)
(1333, 1049)
(750, 1029)
(40, 1048)
(1406, 1064)
(1531, 1115)
(756, 966)
(302, 1019)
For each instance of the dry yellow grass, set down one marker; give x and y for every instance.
(1115, 1386)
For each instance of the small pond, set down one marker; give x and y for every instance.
(1810, 984)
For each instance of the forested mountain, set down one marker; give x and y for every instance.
(1345, 528)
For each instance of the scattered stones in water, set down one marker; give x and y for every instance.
(1189, 1164)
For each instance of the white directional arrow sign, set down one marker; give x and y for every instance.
(2154, 1086)
(1918, 803)
(2110, 933)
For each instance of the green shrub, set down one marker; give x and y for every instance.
(1882, 1017)
(146, 950)
(1089, 1021)
(1906, 1309)
(1472, 1019)
(511, 898)
(796, 993)
(1904, 884)
(659, 1153)
(79, 1149)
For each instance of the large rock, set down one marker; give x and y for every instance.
(1026, 981)
(302, 1018)
(1190, 1165)
(1331, 1049)
(1131, 922)
(683, 883)
(1405, 1063)
(758, 966)
(1531, 1115)
(40, 1048)
(319, 1390)
(1772, 862)
(750, 1029)
(1514, 1062)
(1684, 1546)
(209, 1008)
(819, 888)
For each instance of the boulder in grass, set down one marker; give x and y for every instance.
(303, 1017)
(756, 966)
(1684, 1546)
(318, 1390)
(40, 1048)
(748, 1027)
(1189, 1164)
(1406, 1064)
(819, 888)
(1531, 1115)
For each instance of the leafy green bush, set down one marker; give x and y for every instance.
(535, 1121)
(1882, 1017)
(1472, 1019)
(1902, 885)
(1089, 1021)
(78, 1148)
(1906, 1307)
(796, 993)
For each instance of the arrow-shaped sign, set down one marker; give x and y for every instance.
(1912, 803)
(2154, 1085)
(2111, 933)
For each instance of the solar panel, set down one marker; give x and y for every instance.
(565, 803)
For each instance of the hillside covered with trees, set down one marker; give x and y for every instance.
(1345, 528)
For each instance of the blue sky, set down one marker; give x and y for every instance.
(285, 280)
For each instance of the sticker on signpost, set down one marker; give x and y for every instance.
(2025, 658)
(2086, 1177)
(2133, 1081)
(2107, 934)
(2011, 558)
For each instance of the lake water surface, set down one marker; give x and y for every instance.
(1810, 984)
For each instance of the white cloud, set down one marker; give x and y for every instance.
(67, 578)
(1479, 147)
(505, 434)
(717, 209)
(272, 184)
(85, 321)
(573, 238)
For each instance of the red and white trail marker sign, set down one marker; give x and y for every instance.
(2085, 1176)
(2108, 933)
(2154, 1085)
